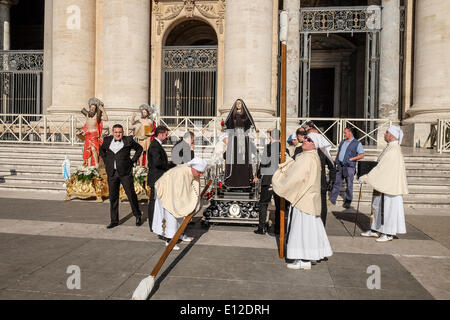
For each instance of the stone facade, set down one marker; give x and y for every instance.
(113, 49)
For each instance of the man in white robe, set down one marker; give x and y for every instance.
(177, 196)
(299, 182)
(388, 180)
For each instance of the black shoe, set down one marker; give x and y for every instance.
(260, 231)
(138, 221)
(112, 225)
(346, 205)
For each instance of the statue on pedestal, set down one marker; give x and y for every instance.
(240, 150)
(92, 131)
(145, 132)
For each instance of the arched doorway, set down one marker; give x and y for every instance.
(189, 70)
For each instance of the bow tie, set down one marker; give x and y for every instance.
(117, 140)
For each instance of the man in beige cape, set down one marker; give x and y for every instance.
(177, 196)
(388, 180)
(299, 182)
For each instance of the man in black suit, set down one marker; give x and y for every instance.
(115, 152)
(268, 166)
(158, 163)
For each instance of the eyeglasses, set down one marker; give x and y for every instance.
(308, 139)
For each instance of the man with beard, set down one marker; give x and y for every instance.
(145, 132)
(93, 131)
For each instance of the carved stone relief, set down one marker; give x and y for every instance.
(167, 11)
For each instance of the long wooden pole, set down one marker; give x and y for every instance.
(177, 235)
(283, 140)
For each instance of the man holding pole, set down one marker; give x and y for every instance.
(298, 181)
(177, 196)
(388, 180)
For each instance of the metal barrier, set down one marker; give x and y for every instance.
(443, 141)
(62, 129)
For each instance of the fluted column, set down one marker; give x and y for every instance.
(126, 54)
(248, 56)
(431, 94)
(73, 55)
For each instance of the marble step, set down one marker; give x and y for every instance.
(418, 203)
(30, 186)
(41, 149)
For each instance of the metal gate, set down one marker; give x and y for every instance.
(21, 82)
(189, 82)
(342, 20)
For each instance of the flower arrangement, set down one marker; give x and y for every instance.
(87, 173)
(212, 193)
(139, 174)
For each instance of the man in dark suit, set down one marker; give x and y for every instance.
(158, 163)
(115, 152)
(183, 150)
(269, 164)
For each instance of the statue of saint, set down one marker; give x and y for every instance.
(145, 131)
(92, 131)
(240, 150)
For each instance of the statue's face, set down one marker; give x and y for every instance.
(239, 105)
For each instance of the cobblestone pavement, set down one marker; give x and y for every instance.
(41, 241)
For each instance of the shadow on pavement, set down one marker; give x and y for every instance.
(159, 279)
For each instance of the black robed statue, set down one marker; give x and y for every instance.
(240, 150)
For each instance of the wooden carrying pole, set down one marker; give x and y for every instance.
(283, 140)
(177, 236)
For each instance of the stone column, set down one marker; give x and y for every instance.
(390, 60)
(126, 54)
(48, 50)
(431, 94)
(248, 56)
(293, 57)
(389, 65)
(5, 6)
(73, 55)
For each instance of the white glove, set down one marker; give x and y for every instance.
(361, 180)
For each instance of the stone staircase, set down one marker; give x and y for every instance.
(38, 168)
(428, 175)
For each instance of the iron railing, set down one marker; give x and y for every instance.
(62, 129)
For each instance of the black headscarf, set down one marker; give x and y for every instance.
(230, 123)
